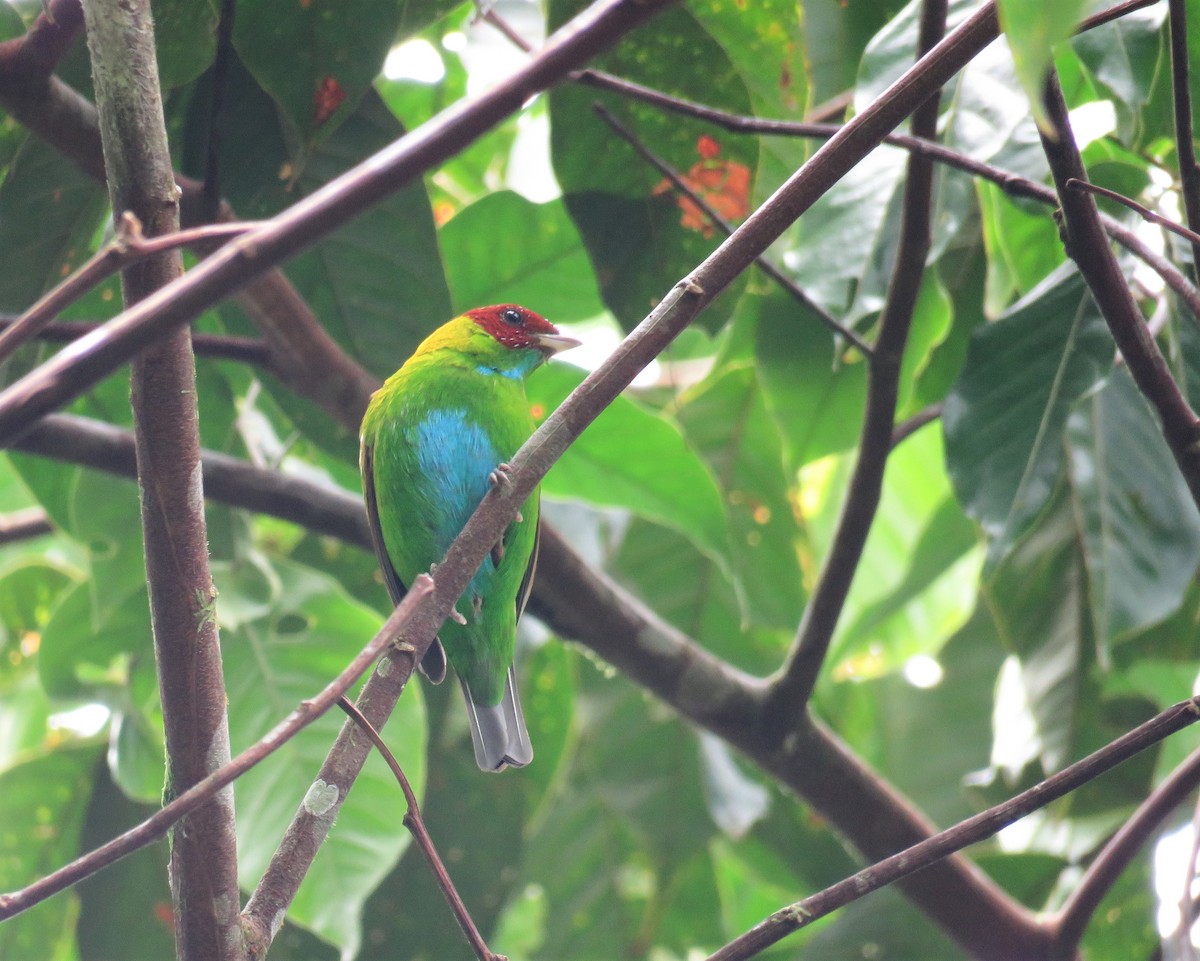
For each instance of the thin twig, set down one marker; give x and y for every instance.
(1142, 211)
(1012, 184)
(127, 247)
(764, 264)
(247, 350)
(1072, 919)
(1185, 146)
(794, 683)
(416, 825)
(157, 825)
(906, 428)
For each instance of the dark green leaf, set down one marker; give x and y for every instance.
(636, 231)
(319, 58)
(1005, 417)
(634, 459)
(1140, 527)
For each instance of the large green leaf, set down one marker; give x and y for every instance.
(915, 585)
(1124, 57)
(478, 823)
(376, 285)
(1038, 598)
(49, 212)
(542, 263)
(1005, 416)
(725, 418)
(125, 911)
(632, 458)
(813, 391)
(1032, 28)
(1140, 526)
(639, 238)
(622, 840)
(313, 57)
(287, 631)
(42, 805)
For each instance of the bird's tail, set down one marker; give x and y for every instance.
(498, 732)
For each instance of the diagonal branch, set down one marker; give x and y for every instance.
(1072, 919)
(976, 828)
(1087, 245)
(793, 685)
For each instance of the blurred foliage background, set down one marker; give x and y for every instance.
(1027, 592)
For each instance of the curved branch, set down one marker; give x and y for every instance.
(794, 683)
(1087, 245)
(1072, 919)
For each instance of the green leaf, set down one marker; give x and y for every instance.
(916, 583)
(479, 824)
(1032, 29)
(547, 270)
(49, 212)
(1038, 597)
(309, 633)
(1124, 57)
(185, 35)
(1141, 530)
(813, 391)
(632, 458)
(125, 911)
(313, 56)
(1004, 418)
(42, 805)
(640, 239)
(725, 418)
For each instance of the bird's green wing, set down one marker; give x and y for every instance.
(433, 664)
(530, 569)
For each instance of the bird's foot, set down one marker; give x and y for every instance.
(499, 477)
(457, 618)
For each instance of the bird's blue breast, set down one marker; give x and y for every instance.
(455, 457)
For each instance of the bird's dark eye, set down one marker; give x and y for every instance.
(512, 316)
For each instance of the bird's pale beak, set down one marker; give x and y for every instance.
(553, 343)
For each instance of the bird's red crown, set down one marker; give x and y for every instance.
(514, 326)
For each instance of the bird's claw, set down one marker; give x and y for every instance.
(499, 477)
(457, 618)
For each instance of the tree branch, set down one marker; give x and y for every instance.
(203, 865)
(1087, 245)
(1185, 145)
(793, 685)
(24, 525)
(972, 830)
(1072, 919)
(416, 826)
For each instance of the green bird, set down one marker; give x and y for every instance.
(435, 437)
